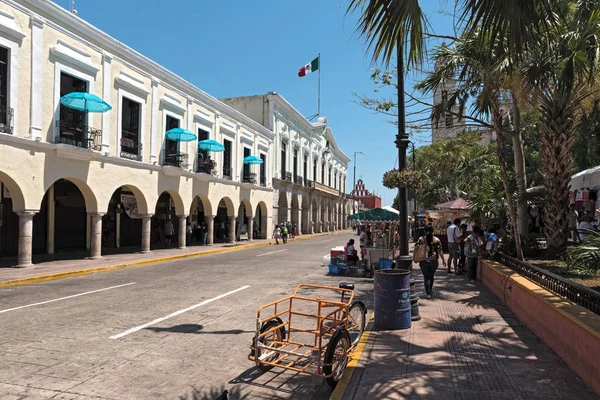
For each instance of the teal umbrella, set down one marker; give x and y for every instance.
(84, 102)
(210, 145)
(253, 160)
(180, 135)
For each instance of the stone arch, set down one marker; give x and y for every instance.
(122, 221)
(261, 219)
(315, 216)
(283, 207)
(224, 218)
(168, 207)
(91, 201)
(140, 198)
(244, 220)
(296, 212)
(201, 200)
(16, 194)
(306, 215)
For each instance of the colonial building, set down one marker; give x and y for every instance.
(76, 179)
(309, 169)
(366, 200)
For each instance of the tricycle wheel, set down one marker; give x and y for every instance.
(357, 321)
(336, 357)
(278, 335)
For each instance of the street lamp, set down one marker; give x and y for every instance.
(354, 184)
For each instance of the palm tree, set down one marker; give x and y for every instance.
(559, 74)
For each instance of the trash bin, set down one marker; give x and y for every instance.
(392, 299)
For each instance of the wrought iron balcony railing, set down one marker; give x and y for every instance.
(6, 119)
(78, 134)
(307, 182)
(249, 178)
(130, 147)
(206, 167)
(297, 179)
(175, 159)
(288, 176)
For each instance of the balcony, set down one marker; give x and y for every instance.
(307, 183)
(6, 119)
(227, 174)
(79, 135)
(175, 160)
(249, 178)
(207, 167)
(287, 176)
(297, 179)
(130, 148)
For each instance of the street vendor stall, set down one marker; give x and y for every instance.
(382, 223)
(449, 211)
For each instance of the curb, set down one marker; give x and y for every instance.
(115, 267)
(344, 381)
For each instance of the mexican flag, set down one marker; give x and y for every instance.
(310, 67)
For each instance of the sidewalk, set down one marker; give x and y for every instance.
(466, 346)
(55, 269)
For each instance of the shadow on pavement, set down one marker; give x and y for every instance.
(196, 328)
(214, 394)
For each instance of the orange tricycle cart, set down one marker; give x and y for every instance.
(313, 331)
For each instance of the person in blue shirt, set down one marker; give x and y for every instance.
(491, 242)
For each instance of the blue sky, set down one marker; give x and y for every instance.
(238, 47)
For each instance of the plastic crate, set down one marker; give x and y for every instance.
(385, 263)
(339, 269)
(335, 260)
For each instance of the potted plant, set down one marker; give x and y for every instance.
(405, 178)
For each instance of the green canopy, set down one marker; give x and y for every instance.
(376, 215)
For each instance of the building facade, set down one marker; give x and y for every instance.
(77, 180)
(365, 199)
(309, 169)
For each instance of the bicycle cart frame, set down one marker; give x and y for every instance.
(296, 355)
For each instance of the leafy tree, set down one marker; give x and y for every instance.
(586, 147)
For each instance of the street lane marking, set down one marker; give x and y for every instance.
(271, 252)
(65, 298)
(176, 313)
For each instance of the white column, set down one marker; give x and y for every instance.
(154, 124)
(95, 235)
(51, 219)
(231, 233)
(181, 232)
(37, 62)
(210, 228)
(106, 90)
(250, 229)
(25, 237)
(146, 232)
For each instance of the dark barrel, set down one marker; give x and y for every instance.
(392, 299)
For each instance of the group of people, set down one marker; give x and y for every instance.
(464, 251)
(580, 227)
(283, 231)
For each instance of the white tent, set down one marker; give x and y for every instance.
(589, 178)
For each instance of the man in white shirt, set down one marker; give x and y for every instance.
(453, 234)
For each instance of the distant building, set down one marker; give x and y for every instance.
(365, 199)
(448, 125)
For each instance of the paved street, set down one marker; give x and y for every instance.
(166, 331)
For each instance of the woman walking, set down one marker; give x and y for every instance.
(434, 254)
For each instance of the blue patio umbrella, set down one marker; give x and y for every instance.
(210, 145)
(253, 160)
(180, 135)
(85, 102)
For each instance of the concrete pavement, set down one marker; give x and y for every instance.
(170, 330)
(467, 345)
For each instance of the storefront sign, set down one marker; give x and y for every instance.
(130, 206)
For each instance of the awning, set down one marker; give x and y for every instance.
(376, 215)
(459, 204)
(590, 178)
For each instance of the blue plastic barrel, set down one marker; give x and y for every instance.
(385, 263)
(392, 299)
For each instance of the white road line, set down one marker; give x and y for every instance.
(176, 313)
(65, 298)
(272, 252)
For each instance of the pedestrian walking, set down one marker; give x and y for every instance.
(453, 233)
(572, 220)
(277, 234)
(473, 249)
(284, 233)
(169, 231)
(431, 263)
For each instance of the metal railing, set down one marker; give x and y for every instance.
(308, 183)
(288, 176)
(131, 148)
(578, 294)
(6, 119)
(78, 134)
(249, 178)
(175, 159)
(206, 167)
(297, 179)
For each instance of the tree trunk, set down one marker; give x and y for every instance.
(557, 140)
(520, 175)
(497, 122)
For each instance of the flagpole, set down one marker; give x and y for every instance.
(319, 84)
